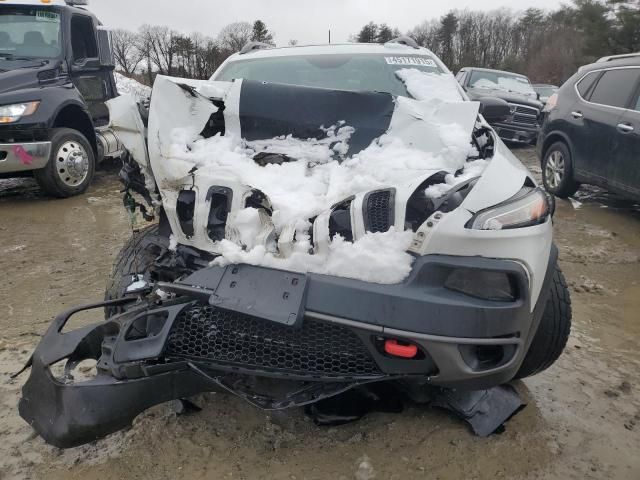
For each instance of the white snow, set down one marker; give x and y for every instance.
(430, 86)
(129, 86)
(376, 257)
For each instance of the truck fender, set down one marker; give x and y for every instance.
(74, 115)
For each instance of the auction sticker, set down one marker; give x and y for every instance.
(45, 16)
(421, 61)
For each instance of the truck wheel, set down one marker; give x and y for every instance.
(137, 256)
(557, 171)
(71, 164)
(553, 332)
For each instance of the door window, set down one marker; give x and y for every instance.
(585, 85)
(616, 87)
(83, 38)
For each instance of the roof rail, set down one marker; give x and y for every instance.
(75, 3)
(251, 46)
(405, 40)
(618, 57)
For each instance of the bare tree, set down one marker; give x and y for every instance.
(235, 36)
(160, 47)
(127, 55)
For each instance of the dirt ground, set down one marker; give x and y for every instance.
(582, 419)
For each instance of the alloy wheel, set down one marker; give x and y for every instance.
(554, 170)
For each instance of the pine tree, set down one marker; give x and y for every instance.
(368, 34)
(385, 33)
(260, 33)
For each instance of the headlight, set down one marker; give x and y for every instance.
(531, 206)
(13, 113)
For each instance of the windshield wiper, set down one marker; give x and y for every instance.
(11, 56)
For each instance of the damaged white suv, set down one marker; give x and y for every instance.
(329, 216)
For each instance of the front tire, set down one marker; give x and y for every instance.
(553, 331)
(71, 165)
(137, 257)
(557, 171)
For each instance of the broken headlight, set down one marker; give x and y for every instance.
(531, 206)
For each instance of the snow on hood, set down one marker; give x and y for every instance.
(329, 145)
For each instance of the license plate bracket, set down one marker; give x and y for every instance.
(273, 295)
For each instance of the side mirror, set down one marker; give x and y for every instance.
(105, 47)
(494, 109)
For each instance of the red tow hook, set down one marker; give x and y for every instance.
(392, 347)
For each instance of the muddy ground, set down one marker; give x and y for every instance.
(582, 419)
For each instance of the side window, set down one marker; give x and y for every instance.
(637, 107)
(615, 87)
(83, 38)
(585, 85)
(460, 77)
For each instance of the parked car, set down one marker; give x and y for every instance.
(522, 124)
(56, 73)
(329, 216)
(591, 133)
(545, 91)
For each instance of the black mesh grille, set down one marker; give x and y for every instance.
(378, 211)
(317, 349)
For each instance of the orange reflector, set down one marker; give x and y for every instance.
(392, 347)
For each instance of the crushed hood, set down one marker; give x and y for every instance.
(291, 177)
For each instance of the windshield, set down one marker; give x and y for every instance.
(29, 33)
(501, 81)
(351, 72)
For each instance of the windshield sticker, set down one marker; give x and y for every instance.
(46, 16)
(421, 61)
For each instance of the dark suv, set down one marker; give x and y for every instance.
(591, 133)
(522, 125)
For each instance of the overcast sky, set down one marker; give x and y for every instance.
(307, 21)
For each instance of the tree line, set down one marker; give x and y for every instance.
(547, 46)
(160, 50)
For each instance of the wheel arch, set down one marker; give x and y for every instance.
(553, 137)
(75, 117)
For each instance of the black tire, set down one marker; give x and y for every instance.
(57, 178)
(553, 332)
(558, 159)
(137, 256)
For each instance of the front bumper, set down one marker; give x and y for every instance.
(20, 157)
(516, 133)
(189, 345)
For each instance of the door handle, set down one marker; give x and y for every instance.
(577, 115)
(625, 128)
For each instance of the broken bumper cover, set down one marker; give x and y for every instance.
(153, 354)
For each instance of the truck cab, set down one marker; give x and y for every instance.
(56, 73)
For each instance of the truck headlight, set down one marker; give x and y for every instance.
(13, 113)
(530, 206)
